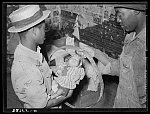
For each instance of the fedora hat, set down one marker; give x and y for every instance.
(140, 7)
(26, 17)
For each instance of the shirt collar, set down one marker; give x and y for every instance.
(142, 34)
(131, 37)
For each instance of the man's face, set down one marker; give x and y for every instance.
(127, 19)
(41, 34)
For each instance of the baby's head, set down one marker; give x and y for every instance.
(74, 61)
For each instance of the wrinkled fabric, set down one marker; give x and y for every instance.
(68, 76)
(31, 77)
(95, 73)
(104, 69)
(74, 75)
(131, 92)
(95, 79)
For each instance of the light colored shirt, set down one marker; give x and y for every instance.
(31, 77)
(131, 92)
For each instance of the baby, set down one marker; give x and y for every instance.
(67, 73)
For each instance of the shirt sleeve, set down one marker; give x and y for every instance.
(115, 67)
(139, 68)
(29, 87)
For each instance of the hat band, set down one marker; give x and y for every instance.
(25, 22)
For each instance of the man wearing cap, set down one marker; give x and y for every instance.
(30, 73)
(131, 66)
(131, 92)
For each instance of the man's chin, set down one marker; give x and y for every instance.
(41, 43)
(128, 31)
(125, 30)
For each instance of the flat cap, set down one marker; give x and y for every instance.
(140, 7)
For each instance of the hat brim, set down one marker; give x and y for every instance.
(45, 15)
(131, 6)
(124, 6)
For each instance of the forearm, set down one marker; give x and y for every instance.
(115, 68)
(101, 57)
(60, 92)
(54, 102)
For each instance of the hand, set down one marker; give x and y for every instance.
(89, 70)
(102, 57)
(54, 102)
(56, 94)
(69, 93)
(60, 92)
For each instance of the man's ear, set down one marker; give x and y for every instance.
(136, 12)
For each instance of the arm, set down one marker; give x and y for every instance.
(38, 96)
(115, 68)
(54, 102)
(28, 87)
(33, 97)
(104, 59)
(139, 68)
(88, 67)
(60, 92)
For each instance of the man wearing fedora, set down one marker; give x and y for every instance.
(30, 73)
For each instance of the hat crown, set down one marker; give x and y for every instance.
(24, 13)
(27, 17)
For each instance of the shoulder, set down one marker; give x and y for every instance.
(20, 66)
(141, 39)
(134, 46)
